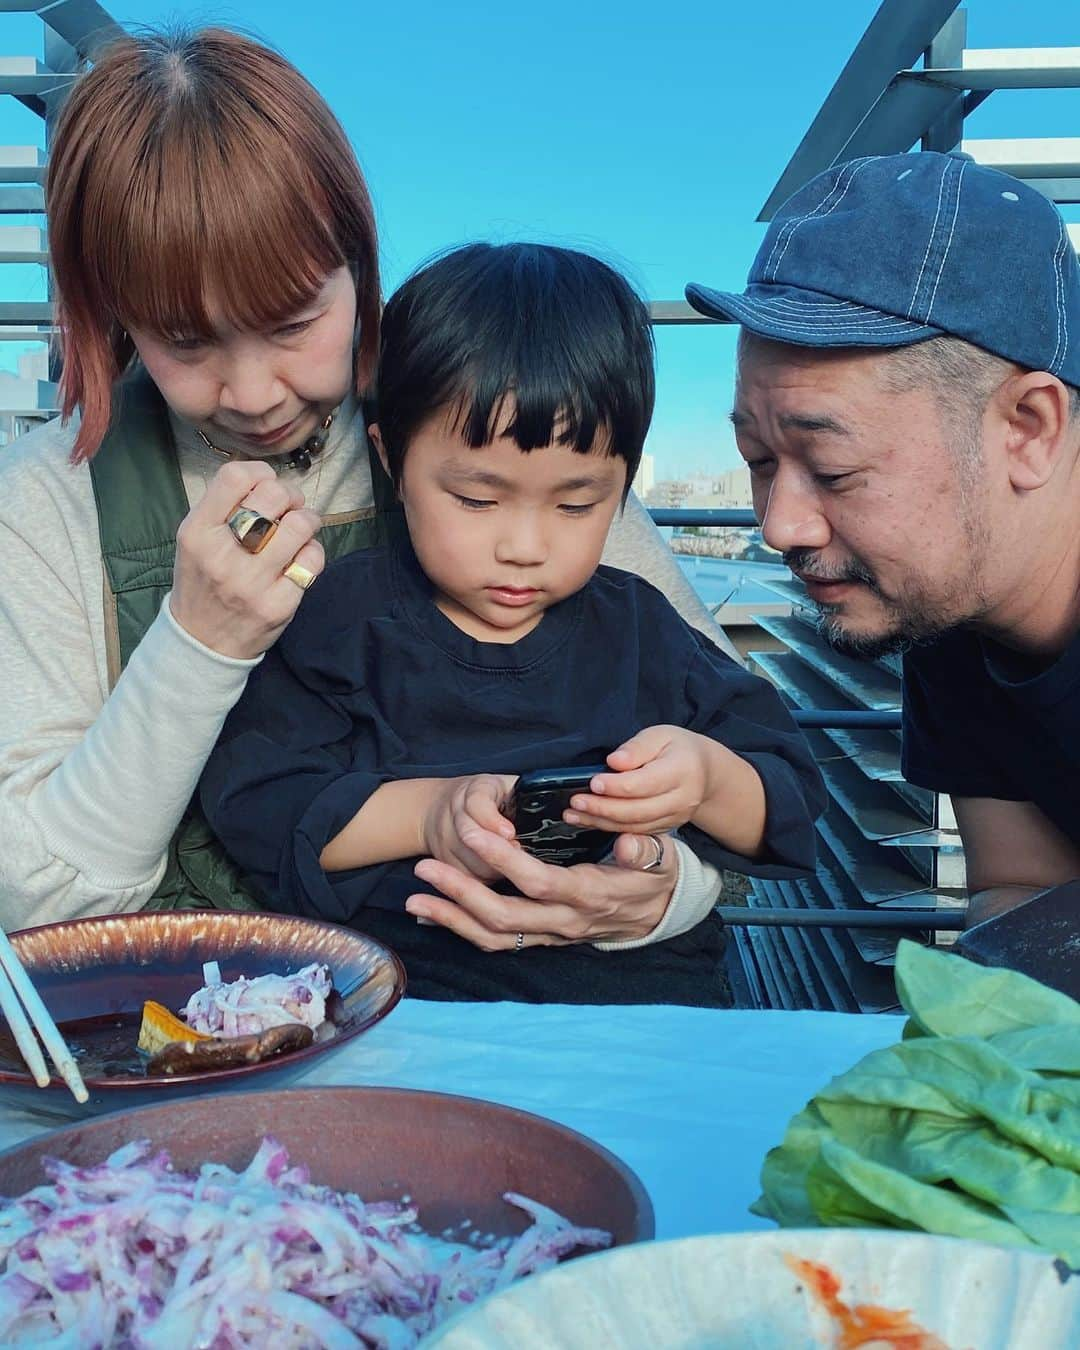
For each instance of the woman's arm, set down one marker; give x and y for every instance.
(91, 788)
(92, 784)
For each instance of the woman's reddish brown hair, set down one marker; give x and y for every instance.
(193, 165)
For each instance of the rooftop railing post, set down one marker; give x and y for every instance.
(947, 52)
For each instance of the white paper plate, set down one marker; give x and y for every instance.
(736, 1292)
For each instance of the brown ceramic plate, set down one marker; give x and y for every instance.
(455, 1156)
(95, 975)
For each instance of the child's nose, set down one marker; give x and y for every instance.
(522, 543)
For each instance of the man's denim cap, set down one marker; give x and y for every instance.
(895, 249)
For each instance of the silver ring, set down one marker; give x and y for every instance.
(658, 844)
(519, 942)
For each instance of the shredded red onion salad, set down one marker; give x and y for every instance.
(246, 1007)
(131, 1255)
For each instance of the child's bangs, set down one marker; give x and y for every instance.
(199, 260)
(534, 408)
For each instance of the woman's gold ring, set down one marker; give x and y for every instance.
(250, 530)
(656, 862)
(301, 575)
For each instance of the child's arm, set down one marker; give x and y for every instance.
(423, 817)
(735, 772)
(667, 777)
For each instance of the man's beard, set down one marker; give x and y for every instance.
(911, 620)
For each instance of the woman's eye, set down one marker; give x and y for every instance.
(473, 503)
(186, 344)
(294, 329)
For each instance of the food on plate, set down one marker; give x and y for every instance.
(209, 1052)
(160, 1028)
(864, 1326)
(968, 1127)
(245, 1007)
(131, 1253)
(223, 1025)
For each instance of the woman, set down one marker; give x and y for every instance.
(216, 278)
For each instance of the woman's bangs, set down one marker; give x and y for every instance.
(205, 262)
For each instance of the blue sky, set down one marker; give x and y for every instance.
(651, 134)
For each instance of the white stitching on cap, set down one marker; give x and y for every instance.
(902, 325)
(864, 317)
(930, 241)
(790, 224)
(824, 207)
(859, 165)
(1059, 296)
(948, 242)
(842, 309)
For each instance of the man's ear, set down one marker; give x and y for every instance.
(377, 441)
(1034, 406)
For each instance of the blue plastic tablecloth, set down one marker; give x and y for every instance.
(690, 1098)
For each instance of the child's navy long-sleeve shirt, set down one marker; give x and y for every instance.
(371, 682)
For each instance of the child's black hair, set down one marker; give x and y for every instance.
(559, 332)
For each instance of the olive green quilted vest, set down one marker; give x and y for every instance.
(140, 503)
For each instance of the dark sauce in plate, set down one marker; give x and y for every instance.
(106, 1046)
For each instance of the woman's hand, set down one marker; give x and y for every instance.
(558, 905)
(232, 601)
(468, 806)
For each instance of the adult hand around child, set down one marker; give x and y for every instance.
(231, 600)
(590, 902)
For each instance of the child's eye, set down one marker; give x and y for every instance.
(473, 503)
(576, 508)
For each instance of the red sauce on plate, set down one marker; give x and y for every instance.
(865, 1325)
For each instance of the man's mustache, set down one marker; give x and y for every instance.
(807, 563)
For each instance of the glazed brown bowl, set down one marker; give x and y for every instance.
(454, 1156)
(95, 974)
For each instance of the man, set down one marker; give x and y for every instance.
(907, 403)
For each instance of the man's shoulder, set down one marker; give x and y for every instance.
(950, 659)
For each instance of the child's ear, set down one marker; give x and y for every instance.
(377, 441)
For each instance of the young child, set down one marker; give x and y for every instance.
(391, 719)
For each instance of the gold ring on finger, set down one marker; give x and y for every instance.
(301, 575)
(251, 530)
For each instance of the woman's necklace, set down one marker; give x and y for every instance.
(299, 459)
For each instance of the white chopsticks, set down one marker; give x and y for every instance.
(15, 984)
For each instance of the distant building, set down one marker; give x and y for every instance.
(26, 398)
(645, 478)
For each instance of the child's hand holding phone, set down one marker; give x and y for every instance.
(459, 807)
(665, 777)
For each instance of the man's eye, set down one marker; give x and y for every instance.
(761, 468)
(576, 508)
(831, 479)
(472, 503)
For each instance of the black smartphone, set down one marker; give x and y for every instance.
(537, 806)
